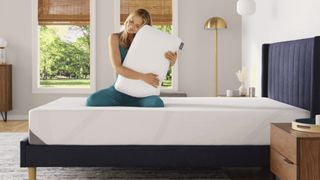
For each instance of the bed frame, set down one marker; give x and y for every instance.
(289, 71)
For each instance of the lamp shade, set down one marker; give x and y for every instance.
(246, 7)
(215, 23)
(3, 43)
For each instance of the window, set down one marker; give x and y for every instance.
(64, 46)
(164, 18)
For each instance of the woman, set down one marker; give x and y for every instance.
(119, 43)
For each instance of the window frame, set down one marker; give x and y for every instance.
(175, 69)
(36, 89)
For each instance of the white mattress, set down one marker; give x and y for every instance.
(183, 121)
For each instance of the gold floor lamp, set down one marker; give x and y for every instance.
(215, 23)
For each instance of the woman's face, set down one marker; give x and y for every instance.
(134, 24)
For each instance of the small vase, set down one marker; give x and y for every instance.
(242, 90)
(2, 55)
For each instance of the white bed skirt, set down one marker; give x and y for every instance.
(183, 121)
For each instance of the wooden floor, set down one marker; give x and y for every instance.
(233, 173)
(14, 126)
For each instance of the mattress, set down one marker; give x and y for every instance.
(183, 121)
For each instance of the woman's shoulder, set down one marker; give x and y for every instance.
(114, 37)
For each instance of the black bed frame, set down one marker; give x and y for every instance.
(172, 156)
(177, 156)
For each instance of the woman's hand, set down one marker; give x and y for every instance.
(172, 57)
(151, 79)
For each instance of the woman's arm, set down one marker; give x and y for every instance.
(115, 59)
(171, 57)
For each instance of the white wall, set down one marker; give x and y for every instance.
(196, 68)
(274, 21)
(196, 60)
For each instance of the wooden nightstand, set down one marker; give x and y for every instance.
(294, 155)
(5, 89)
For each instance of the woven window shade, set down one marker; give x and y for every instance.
(64, 12)
(160, 10)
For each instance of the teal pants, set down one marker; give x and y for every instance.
(111, 97)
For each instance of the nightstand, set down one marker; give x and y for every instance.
(5, 89)
(294, 155)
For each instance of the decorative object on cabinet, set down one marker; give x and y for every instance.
(242, 77)
(3, 45)
(252, 92)
(306, 125)
(232, 93)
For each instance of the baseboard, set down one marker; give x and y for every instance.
(17, 117)
(173, 94)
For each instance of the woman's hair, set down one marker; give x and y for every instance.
(125, 39)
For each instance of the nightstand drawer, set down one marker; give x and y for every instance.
(282, 167)
(284, 143)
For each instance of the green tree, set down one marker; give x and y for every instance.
(47, 37)
(63, 58)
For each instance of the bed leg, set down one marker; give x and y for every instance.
(32, 171)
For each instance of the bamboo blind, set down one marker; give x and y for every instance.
(160, 10)
(64, 12)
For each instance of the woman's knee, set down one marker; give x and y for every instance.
(152, 101)
(105, 97)
(93, 100)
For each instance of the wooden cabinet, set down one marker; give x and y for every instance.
(5, 89)
(294, 155)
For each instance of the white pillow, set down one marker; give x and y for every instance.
(146, 55)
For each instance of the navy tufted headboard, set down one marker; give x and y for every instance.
(291, 73)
